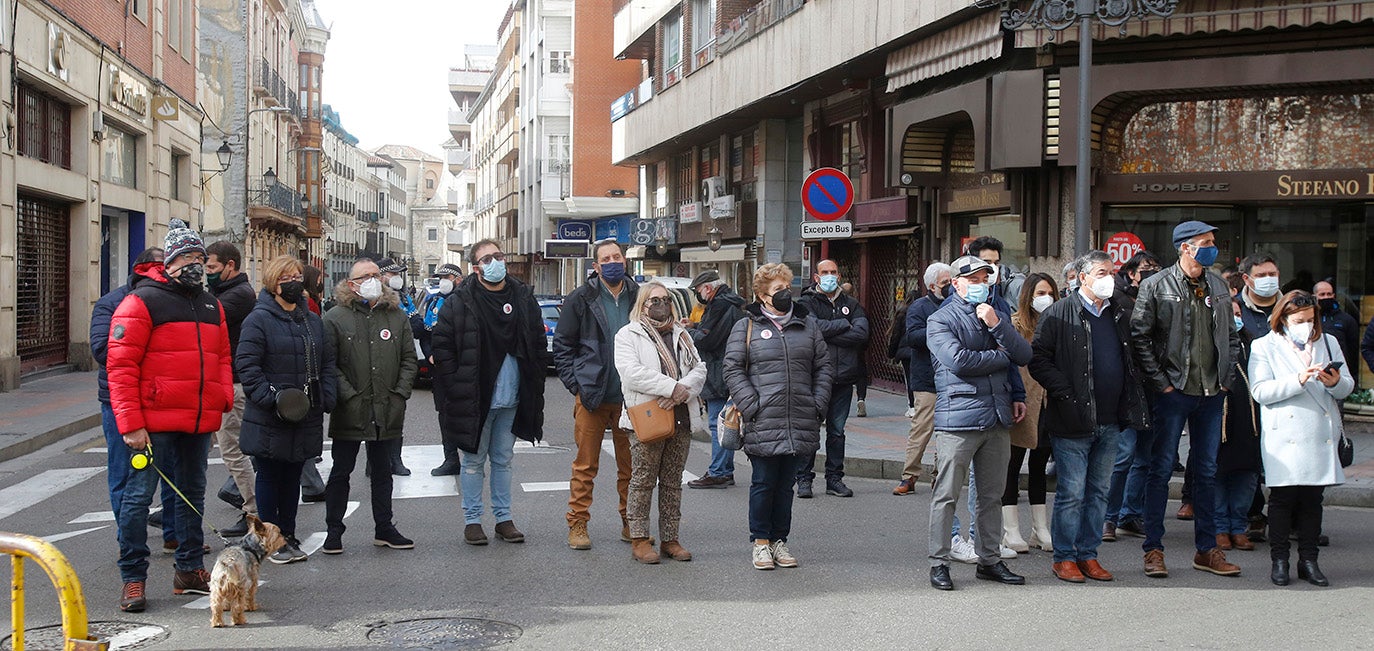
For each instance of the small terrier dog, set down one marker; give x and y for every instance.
(234, 581)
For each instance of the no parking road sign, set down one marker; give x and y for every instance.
(827, 194)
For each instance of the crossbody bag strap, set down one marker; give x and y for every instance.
(748, 334)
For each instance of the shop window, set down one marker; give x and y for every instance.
(45, 127)
(1154, 225)
(180, 163)
(119, 157)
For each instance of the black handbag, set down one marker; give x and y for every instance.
(292, 405)
(1345, 451)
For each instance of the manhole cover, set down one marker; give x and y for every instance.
(120, 635)
(445, 633)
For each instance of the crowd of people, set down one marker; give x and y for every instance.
(1101, 377)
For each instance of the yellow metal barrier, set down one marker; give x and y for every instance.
(63, 577)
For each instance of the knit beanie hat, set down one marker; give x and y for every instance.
(181, 239)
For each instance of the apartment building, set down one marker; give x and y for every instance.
(465, 83)
(356, 226)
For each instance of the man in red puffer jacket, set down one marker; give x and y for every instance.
(171, 380)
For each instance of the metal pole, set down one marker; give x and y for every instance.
(1083, 181)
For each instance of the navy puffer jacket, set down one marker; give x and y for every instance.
(781, 383)
(973, 388)
(278, 350)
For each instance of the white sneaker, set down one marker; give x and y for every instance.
(763, 557)
(911, 413)
(962, 550)
(1004, 552)
(782, 557)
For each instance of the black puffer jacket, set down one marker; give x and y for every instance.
(280, 350)
(845, 327)
(459, 396)
(584, 343)
(237, 298)
(1240, 434)
(712, 335)
(781, 384)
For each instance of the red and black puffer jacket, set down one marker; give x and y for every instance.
(169, 363)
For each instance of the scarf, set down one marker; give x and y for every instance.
(660, 337)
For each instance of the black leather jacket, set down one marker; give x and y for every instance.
(1162, 335)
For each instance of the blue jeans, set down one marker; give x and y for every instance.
(498, 445)
(972, 509)
(1203, 415)
(277, 486)
(1126, 498)
(117, 470)
(182, 458)
(1235, 493)
(770, 496)
(1084, 474)
(722, 460)
(835, 418)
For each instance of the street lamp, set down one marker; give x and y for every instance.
(1057, 16)
(269, 179)
(713, 237)
(225, 153)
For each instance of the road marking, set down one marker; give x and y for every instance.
(203, 603)
(72, 534)
(40, 487)
(544, 486)
(687, 476)
(103, 516)
(315, 541)
(132, 638)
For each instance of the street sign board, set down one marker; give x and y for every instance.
(827, 230)
(827, 194)
(567, 249)
(574, 230)
(1121, 247)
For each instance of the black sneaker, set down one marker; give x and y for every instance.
(155, 519)
(1133, 528)
(393, 539)
(804, 489)
(837, 488)
(312, 497)
(289, 553)
(238, 529)
(333, 543)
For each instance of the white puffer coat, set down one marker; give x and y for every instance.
(641, 371)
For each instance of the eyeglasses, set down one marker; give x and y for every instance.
(1303, 300)
(659, 300)
(359, 279)
(486, 259)
(296, 278)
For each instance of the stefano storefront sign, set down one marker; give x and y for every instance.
(1298, 185)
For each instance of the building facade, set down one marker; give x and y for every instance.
(428, 219)
(495, 119)
(101, 150)
(356, 228)
(465, 83)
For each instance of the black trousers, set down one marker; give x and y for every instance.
(345, 454)
(1295, 508)
(1035, 478)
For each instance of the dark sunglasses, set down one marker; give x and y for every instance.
(659, 300)
(1303, 300)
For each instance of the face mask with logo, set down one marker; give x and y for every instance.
(1240, 325)
(782, 301)
(213, 280)
(1267, 286)
(494, 272)
(1103, 287)
(445, 286)
(1300, 333)
(1205, 255)
(613, 272)
(291, 291)
(977, 293)
(370, 289)
(190, 276)
(396, 282)
(1042, 302)
(829, 284)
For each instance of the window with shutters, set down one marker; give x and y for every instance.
(43, 289)
(45, 127)
(683, 182)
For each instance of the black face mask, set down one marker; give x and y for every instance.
(1329, 305)
(291, 291)
(191, 276)
(943, 292)
(782, 301)
(700, 299)
(1147, 274)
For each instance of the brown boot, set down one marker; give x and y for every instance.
(1154, 564)
(625, 533)
(1214, 561)
(1224, 542)
(643, 551)
(577, 535)
(675, 551)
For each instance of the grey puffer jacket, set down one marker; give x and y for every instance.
(973, 390)
(781, 384)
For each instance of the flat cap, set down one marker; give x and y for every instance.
(1188, 230)
(708, 276)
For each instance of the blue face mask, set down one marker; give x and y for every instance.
(494, 272)
(1240, 325)
(613, 272)
(977, 293)
(1205, 255)
(829, 284)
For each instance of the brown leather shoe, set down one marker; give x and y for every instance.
(1214, 561)
(1185, 512)
(1154, 564)
(1242, 542)
(1224, 542)
(643, 551)
(1068, 571)
(907, 487)
(1093, 570)
(674, 550)
(1109, 532)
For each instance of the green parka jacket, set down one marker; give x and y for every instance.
(375, 354)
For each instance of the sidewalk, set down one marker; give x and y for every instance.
(42, 412)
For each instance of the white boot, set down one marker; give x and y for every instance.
(1040, 528)
(1011, 530)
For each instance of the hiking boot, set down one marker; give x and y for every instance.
(643, 551)
(782, 556)
(1154, 564)
(393, 539)
(473, 534)
(506, 531)
(289, 553)
(906, 487)
(837, 488)
(577, 535)
(804, 489)
(238, 529)
(132, 599)
(1214, 561)
(674, 550)
(192, 582)
(710, 482)
(333, 543)
(763, 557)
(447, 468)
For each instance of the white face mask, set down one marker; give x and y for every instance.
(1300, 333)
(371, 289)
(395, 282)
(1103, 287)
(445, 286)
(1042, 303)
(1267, 286)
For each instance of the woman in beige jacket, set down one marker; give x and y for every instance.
(1037, 294)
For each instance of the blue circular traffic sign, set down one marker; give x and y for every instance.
(827, 194)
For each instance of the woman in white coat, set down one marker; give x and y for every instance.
(657, 360)
(1297, 375)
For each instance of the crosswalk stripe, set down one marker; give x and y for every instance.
(544, 486)
(203, 603)
(130, 639)
(103, 516)
(40, 487)
(72, 534)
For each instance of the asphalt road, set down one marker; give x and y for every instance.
(862, 580)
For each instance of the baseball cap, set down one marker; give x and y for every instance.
(969, 265)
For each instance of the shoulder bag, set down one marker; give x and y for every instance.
(729, 428)
(1345, 449)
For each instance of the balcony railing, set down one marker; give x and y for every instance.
(754, 22)
(276, 196)
(273, 86)
(627, 103)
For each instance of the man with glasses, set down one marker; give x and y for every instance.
(375, 355)
(583, 348)
(1185, 344)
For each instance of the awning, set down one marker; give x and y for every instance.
(964, 44)
(1213, 16)
(727, 253)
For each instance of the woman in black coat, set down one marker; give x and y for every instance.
(283, 346)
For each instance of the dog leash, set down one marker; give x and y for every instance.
(141, 459)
